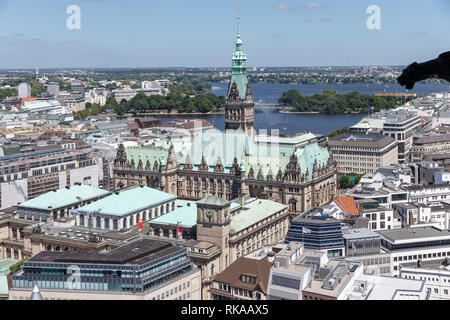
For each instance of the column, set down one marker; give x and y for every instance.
(170, 234)
(102, 223)
(151, 231)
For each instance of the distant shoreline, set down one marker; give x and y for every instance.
(316, 112)
(182, 113)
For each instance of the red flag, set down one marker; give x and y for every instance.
(373, 107)
(180, 234)
(140, 224)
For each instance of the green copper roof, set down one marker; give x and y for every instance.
(254, 212)
(186, 214)
(63, 197)
(308, 155)
(265, 164)
(226, 145)
(239, 68)
(152, 154)
(4, 290)
(250, 214)
(6, 263)
(128, 201)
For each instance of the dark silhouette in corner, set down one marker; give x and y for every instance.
(437, 68)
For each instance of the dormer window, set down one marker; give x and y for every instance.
(248, 279)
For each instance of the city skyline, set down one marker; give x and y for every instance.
(200, 34)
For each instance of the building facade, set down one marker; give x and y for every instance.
(224, 235)
(141, 270)
(234, 163)
(28, 175)
(363, 153)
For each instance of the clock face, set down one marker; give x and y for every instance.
(209, 212)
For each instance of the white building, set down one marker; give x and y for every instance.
(400, 125)
(428, 193)
(436, 275)
(24, 90)
(377, 287)
(408, 245)
(96, 96)
(44, 107)
(380, 217)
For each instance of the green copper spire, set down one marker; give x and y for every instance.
(239, 66)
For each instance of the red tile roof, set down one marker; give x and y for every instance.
(347, 204)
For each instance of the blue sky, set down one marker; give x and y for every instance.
(201, 33)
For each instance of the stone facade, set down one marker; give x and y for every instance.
(299, 190)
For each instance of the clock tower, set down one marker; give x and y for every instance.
(239, 105)
(213, 225)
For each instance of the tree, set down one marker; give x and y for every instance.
(344, 181)
(37, 88)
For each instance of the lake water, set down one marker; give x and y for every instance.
(294, 123)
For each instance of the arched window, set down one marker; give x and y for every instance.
(293, 205)
(58, 248)
(49, 247)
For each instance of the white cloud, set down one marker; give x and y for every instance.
(281, 7)
(313, 5)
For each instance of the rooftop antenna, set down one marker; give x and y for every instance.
(238, 21)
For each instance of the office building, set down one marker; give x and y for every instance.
(411, 244)
(24, 90)
(27, 175)
(428, 193)
(436, 275)
(78, 88)
(428, 144)
(322, 233)
(53, 89)
(141, 270)
(362, 153)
